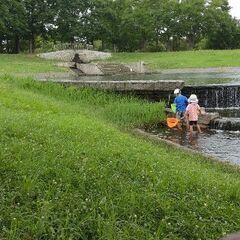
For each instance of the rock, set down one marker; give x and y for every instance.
(68, 55)
(89, 69)
(138, 67)
(206, 118)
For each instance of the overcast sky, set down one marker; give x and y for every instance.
(235, 11)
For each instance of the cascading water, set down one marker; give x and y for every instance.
(227, 124)
(216, 96)
(219, 97)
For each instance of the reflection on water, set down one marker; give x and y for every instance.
(224, 145)
(189, 78)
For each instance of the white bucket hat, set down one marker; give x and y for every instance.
(177, 91)
(193, 99)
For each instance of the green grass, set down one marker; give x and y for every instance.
(69, 169)
(186, 59)
(23, 63)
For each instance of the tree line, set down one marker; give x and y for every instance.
(120, 25)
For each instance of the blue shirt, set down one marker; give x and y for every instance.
(181, 103)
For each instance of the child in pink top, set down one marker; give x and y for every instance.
(192, 112)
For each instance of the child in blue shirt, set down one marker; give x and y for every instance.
(181, 103)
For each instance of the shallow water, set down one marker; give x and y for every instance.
(189, 78)
(221, 144)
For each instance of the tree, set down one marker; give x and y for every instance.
(38, 15)
(221, 28)
(72, 19)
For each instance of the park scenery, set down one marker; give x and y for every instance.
(119, 120)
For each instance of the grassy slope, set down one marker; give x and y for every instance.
(11, 64)
(187, 59)
(67, 172)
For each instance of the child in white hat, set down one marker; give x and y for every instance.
(192, 112)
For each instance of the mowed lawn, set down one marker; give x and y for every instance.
(71, 169)
(186, 59)
(23, 63)
(15, 64)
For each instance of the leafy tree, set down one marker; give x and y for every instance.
(72, 20)
(38, 15)
(221, 28)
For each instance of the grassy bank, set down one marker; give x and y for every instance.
(15, 64)
(70, 170)
(23, 63)
(186, 59)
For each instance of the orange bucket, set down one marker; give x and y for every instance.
(172, 122)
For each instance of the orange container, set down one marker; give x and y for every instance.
(172, 122)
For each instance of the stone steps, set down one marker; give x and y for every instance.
(111, 69)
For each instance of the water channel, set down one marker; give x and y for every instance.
(218, 143)
(217, 92)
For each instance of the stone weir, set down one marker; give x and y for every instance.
(215, 96)
(223, 98)
(143, 88)
(226, 124)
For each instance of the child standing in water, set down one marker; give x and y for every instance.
(181, 104)
(192, 112)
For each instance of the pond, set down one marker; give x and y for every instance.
(197, 78)
(221, 144)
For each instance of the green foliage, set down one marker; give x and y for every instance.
(97, 44)
(121, 25)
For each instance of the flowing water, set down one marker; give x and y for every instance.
(221, 144)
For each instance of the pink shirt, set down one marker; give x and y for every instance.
(192, 111)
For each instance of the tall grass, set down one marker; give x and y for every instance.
(124, 111)
(68, 172)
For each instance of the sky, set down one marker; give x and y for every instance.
(235, 11)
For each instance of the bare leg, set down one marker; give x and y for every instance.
(191, 129)
(187, 125)
(199, 129)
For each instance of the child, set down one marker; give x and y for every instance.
(181, 104)
(192, 112)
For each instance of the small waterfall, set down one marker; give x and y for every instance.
(227, 124)
(215, 96)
